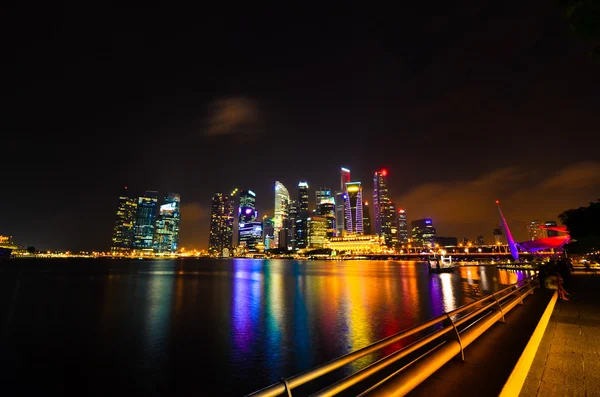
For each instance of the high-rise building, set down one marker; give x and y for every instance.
(391, 239)
(535, 230)
(340, 202)
(290, 223)
(384, 218)
(282, 200)
(221, 224)
(320, 194)
(250, 235)
(317, 231)
(268, 232)
(327, 210)
(166, 234)
(303, 199)
(402, 226)
(423, 232)
(301, 233)
(124, 229)
(551, 233)
(366, 218)
(145, 221)
(353, 217)
(247, 209)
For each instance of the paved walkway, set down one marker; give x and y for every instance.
(567, 362)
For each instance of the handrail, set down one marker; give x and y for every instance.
(499, 299)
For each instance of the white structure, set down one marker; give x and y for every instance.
(282, 199)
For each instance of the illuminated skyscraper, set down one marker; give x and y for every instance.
(366, 218)
(340, 201)
(321, 194)
(282, 200)
(327, 209)
(317, 231)
(247, 209)
(166, 234)
(145, 221)
(402, 226)
(353, 208)
(535, 230)
(250, 230)
(303, 199)
(423, 232)
(124, 229)
(391, 240)
(551, 233)
(221, 224)
(384, 217)
(290, 223)
(268, 232)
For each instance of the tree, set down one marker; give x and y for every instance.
(583, 224)
(584, 21)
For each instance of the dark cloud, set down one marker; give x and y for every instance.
(233, 116)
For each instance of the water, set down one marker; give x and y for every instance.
(206, 327)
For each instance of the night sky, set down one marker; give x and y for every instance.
(462, 102)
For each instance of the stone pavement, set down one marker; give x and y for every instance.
(567, 362)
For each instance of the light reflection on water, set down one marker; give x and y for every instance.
(160, 323)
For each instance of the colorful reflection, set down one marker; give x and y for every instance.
(158, 316)
(246, 303)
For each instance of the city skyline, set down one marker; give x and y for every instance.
(120, 99)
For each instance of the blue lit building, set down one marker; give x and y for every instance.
(250, 232)
(423, 232)
(145, 221)
(166, 234)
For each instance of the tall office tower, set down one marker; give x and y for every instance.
(551, 233)
(366, 218)
(345, 178)
(124, 229)
(321, 194)
(316, 231)
(423, 232)
(391, 239)
(381, 206)
(535, 231)
(290, 223)
(145, 220)
(303, 199)
(249, 229)
(282, 200)
(402, 226)
(268, 232)
(327, 209)
(353, 217)
(247, 209)
(221, 224)
(166, 234)
(340, 200)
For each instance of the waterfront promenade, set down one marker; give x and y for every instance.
(567, 362)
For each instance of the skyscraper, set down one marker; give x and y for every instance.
(327, 209)
(353, 208)
(249, 229)
(320, 194)
(221, 224)
(317, 231)
(123, 231)
(423, 232)
(166, 234)
(303, 199)
(402, 226)
(366, 218)
(340, 200)
(282, 199)
(290, 223)
(384, 218)
(145, 221)
(535, 230)
(551, 233)
(391, 239)
(268, 232)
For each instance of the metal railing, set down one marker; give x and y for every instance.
(459, 328)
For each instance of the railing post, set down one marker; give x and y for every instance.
(456, 335)
(499, 307)
(287, 387)
(520, 295)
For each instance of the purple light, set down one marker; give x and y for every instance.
(428, 221)
(248, 211)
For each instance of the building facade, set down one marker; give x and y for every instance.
(145, 221)
(423, 232)
(124, 229)
(353, 216)
(317, 230)
(383, 216)
(166, 234)
(366, 218)
(320, 195)
(282, 200)
(327, 210)
(268, 232)
(535, 229)
(391, 239)
(402, 227)
(551, 233)
(221, 225)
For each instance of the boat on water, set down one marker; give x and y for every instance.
(441, 264)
